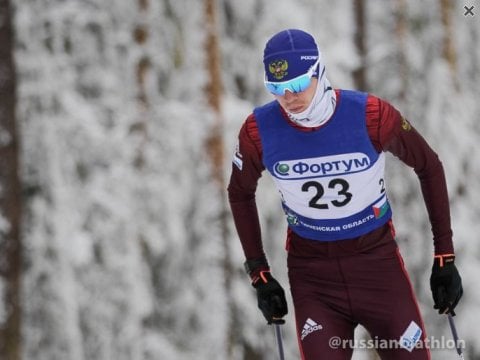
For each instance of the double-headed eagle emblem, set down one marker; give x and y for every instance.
(278, 69)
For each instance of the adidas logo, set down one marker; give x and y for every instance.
(309, 327)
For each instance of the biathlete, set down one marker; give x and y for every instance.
(325, 149)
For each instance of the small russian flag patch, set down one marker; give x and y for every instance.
(237, 157)
(381, 207)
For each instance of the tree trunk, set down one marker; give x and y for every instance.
(448, 48)
(360, 74)
(215, 148)
(10, 196)
(143, 65)
(401, 34)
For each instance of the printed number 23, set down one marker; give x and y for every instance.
(321, 191)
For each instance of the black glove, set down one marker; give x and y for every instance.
(446, 284)
(271, 298)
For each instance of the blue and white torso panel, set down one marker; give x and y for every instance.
(332, 179)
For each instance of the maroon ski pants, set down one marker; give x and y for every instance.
(337, 285)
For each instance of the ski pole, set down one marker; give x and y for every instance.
(455, 336)
(278, 336)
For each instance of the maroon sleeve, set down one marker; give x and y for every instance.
(390, 131)
(246, 170)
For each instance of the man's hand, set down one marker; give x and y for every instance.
(271, 298)
(446, 284)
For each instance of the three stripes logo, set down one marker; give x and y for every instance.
(309, 327)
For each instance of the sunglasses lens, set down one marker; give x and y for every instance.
(296, 85)
(302, 83)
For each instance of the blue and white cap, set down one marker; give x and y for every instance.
(288, 54)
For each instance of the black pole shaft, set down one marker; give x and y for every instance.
(278, 336)
(453, 328)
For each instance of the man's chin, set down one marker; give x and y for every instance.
(295, 110)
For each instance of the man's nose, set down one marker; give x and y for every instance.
(289, 96)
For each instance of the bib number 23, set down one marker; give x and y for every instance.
(340, 185)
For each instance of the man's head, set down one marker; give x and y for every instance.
(295, 74)
(291, 58)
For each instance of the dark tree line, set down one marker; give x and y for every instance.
(10, 195)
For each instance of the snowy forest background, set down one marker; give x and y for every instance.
(119, 243)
